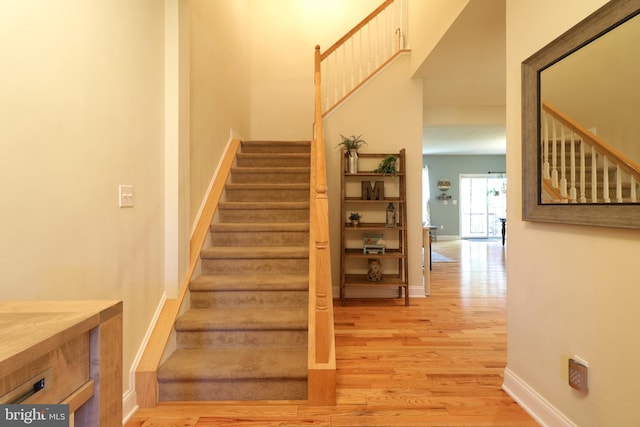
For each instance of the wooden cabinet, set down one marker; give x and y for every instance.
(72, 351)
(380, 238)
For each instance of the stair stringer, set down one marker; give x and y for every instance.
(161, 343)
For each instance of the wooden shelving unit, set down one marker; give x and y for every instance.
(354, 262)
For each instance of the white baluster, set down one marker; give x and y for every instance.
(563, 164)
(369, 48)
(361, 55)
(605, 180)
(572, 191)
(545, 146)
(344, 70)
(594, 176)
(583, 175)
(335, 87)
(325, 83)
(618, 184)
(633, 189)
(353, 62)
(554, 155)
(377, 39)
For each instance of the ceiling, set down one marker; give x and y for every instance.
(464, 84)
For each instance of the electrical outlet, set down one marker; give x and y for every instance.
(579, 374)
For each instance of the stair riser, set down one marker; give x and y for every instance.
(260, 238)
(241, 339)
(266, 195)
(265, 215)
(276, 389)
(249, 298)
(272, 162)
(270, 178)
(255, 266)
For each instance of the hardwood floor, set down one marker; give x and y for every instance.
(438, 362)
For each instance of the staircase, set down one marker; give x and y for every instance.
(578, 167)
(244, 336)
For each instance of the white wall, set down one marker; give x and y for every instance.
(572, 290)
(387, 112)
(82, 111)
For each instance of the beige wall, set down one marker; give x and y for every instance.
(284, 35)
(572, 290)
(428, 22)
(387, 112)
(220, 86)
(81, 112)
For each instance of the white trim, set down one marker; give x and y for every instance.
(533, 403)
(232, 135)
(129, 397)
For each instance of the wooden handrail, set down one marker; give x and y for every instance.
(601, 145)
(146, 372)
(361, 53)
(355, 29)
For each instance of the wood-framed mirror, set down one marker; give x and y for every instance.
(580, 162)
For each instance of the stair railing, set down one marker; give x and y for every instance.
(347, 65)
(576, 164)
(321, 340)
(360, 53)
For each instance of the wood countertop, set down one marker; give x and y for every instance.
(29, 329)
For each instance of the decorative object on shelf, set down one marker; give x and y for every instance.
(375, 193)
(355, 217)
(373, 243)
(387, 166)
(444, 185)
(391, 215)
(375, 270)
(351, 145)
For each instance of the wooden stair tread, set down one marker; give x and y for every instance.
(245, 318)
(234, 364)
(262, 282)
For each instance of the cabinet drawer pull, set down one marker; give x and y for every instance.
(26, 389)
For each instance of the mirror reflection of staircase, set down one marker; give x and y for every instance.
(244, 336)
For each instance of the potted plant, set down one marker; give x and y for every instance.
(351, 145)
(387, 166)
(354, 217)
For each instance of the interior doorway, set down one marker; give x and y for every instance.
(483, 201)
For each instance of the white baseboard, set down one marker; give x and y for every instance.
(129, 397)
(533, 403)
(129, 405)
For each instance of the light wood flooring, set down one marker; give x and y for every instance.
(438, 362)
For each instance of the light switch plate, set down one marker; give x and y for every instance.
(126, 198)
